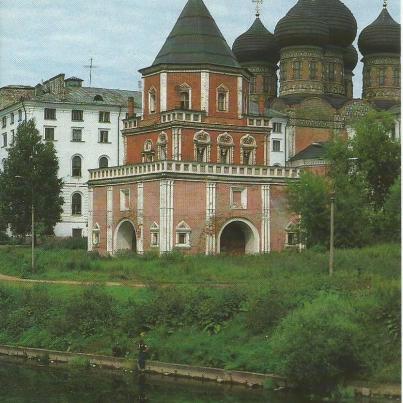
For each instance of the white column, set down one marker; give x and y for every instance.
(177, 144)
(90, 217)
(240, 93)
(210, 218)
(109, 219)
(140, 218)
(163, 91)
(166, 215)
(265, 219)
(205, 90)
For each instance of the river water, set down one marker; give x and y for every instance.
(22, 382)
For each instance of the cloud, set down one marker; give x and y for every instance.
(41, 38)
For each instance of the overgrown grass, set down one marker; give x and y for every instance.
(281, 313)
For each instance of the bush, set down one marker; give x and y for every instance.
(317, 346)
(65, 243)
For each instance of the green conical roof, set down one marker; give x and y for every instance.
(196, 39)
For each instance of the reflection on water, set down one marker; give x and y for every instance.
(23, 382)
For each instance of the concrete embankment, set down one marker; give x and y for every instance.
(201, 373)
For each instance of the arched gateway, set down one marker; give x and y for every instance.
(238, 237)
(125, 237)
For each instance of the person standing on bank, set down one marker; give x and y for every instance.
(143, 352)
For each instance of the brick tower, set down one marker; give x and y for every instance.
(197, 174)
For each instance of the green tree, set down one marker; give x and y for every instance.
(390, 226)
(378, 155)
(29, 177)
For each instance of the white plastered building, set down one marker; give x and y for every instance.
(84, 125)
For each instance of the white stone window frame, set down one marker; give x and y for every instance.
(222, 89)
(185, 87)
(152, 96)
(280, 145)
(4, 140)
(124, 195)
(154, 235)
(99, 161)
(249, 145)
(244, 198)
(81, 166)
(229, 145)
(183, 229)
(199, 141)
(96, 235)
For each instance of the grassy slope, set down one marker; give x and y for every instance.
(274, 288)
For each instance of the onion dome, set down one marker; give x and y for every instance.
(301, 26)
(340, 20)
(382, 36)
(256, 44)
(350, 58)
(196, 39)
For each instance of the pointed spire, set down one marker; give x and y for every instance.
(196, 39)
(385, 3)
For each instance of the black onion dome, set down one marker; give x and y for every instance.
(350, 58)
(340, 20)
(301, 26)
(382, 36)
(256, 44)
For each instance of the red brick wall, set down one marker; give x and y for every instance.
(231, 83)
(280, 216)
(190, 206)
(177, 79)
(151, 209)
(99, 215)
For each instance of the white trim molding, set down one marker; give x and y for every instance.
(140, 218)
(166, 215)
(163, 91)
(266, 213)
(109, 219)
(210, 217)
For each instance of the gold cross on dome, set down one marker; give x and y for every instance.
(385, 3)
(258, 4)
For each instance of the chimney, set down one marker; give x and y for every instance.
(130, 106)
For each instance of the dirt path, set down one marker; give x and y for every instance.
(12, 279)
(127, 283)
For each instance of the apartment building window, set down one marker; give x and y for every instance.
(104, 117)
(19, 115)
(103, 162)
(276, 145)
(296, 67)
(76, 166)
(4, 122)
(76, 202)
(12, 118)
(104, 136)
(313, 70)
(49, 133)
(4, 136)
(50, 114)
(77, 116)
(77, 135)
(277, 127)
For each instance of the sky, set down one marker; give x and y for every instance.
(42, 38)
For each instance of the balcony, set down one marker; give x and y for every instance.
(194, 169)
(182, 115)
(131, 123)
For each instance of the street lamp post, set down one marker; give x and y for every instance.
(331, 250)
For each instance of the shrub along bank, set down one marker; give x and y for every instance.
(315, 330)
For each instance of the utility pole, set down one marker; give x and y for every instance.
(331, 251)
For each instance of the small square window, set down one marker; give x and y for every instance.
(77, 116)
(276, 145)
(104, 117)
(77, 135)
(50, 114)
(4, 122)
(49, 133)
(77, 233)
(239, 198)
(181, 238)
(103, 136)
(155, 239)
(251, 122)
(4, 135)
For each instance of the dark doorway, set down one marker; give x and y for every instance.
(233, 240)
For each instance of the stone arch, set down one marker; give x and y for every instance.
(238, 236)
(125, 237)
